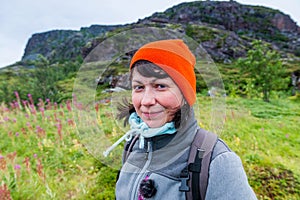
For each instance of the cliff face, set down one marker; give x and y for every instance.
(284, 23)
(253, 21)
(239, 22)
(231, 15)
(63, 44)
(225, 29)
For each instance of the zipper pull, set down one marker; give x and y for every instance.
(149, 148)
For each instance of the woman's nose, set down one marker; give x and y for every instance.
(148, 97)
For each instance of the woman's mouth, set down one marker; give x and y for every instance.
(151, 115)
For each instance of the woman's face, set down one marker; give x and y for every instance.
(155, 100)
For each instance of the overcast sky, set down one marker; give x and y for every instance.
(19, 19)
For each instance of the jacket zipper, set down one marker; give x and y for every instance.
(142, 173)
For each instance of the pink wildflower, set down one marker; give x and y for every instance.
(69, 107)
(39, 168)
(70, 122)
(42, 110)
(59, 130)
(40, 131)
(32, 109)
(30, 99)
(17, 169)
(97, 107)
(16, 105)
(27, 164)
(49, 105)
(4, 192)
(17, 95)
(25, 103)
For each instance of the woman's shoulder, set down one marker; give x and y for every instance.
(220, 148)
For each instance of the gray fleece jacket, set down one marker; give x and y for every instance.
(163, 159)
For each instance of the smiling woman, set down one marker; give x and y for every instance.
(151, 95)
(163, 131)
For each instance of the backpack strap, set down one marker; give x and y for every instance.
(198, 163)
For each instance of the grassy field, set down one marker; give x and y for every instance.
(42, 157)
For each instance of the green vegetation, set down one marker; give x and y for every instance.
(263, 69)
(40, 79)
(202, 33)
(42, 157)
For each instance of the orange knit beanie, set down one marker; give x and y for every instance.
(175, 58)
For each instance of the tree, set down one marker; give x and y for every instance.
(263, 67)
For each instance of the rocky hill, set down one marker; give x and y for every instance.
(60, 45)
(225, 29)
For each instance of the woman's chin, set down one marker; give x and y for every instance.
(154, 123)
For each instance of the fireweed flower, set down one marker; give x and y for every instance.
(41, 103)
(30, 99)
(49, 106)
(17, 167)
(42, 110)
(28, 125)
(24, 102)
(12, 105)
(32, 109)
(70, 122)
(17, 95)
(27, 164)
(69, 107)
(39, 168)
(40, 131)
(16, 105)
(59, 130)
(4, 192)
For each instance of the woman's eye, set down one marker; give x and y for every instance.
(161, 86)
(137, 87)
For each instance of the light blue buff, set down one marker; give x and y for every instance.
(138, 127)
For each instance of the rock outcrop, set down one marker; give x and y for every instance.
(57, 45)
(225, 29)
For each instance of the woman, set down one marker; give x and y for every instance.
(163, 128)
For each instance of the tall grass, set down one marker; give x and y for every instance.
(41, 156)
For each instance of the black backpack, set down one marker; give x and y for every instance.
(194, 178)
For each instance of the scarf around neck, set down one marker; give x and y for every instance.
(139, 127)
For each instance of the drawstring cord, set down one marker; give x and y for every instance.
(126, 137)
